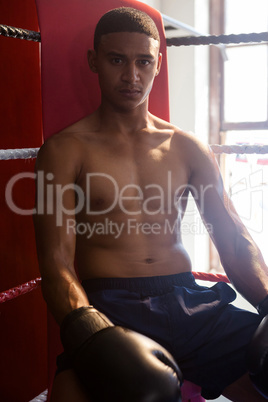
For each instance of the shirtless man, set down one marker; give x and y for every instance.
(121, 177)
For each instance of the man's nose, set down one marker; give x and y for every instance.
(130, 73)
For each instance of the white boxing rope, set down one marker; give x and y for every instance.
(239, 149)
(40, 398)
(26, 153)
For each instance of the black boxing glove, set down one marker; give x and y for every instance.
(263, 307)
(257, 355)
(116, 364)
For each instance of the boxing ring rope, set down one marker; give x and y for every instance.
(27, 153)
(20, 33)
(20, 290)
(24, 153)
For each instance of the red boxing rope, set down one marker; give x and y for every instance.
(19, 290)
(211, 277)
(35, 283)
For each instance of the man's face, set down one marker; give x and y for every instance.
(127, 64)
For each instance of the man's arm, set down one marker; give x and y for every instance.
(240, 256)
(89, 338)
(57, 166)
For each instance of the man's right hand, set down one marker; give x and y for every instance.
(116, 364)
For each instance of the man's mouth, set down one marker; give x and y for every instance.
(130, 92)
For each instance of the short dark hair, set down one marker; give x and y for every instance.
(125, 19)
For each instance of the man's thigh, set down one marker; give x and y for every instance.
(67, 388)
(243, 390)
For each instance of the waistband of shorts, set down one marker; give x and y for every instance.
(148, 283)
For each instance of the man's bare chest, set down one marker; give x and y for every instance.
(148, 182)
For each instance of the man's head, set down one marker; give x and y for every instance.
(125, 19)
(126, 57)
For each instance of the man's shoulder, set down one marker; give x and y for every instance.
(176, 132)
(186, 144)
(69, 139)
(61, 150)
(60, 143)
(184, 138)
(190, 141)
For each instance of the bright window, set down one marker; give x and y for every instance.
(243, 114)
(246, 179)
(245, 16)
(245, 84)
(245, 72)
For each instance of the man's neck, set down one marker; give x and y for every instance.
(124, 121)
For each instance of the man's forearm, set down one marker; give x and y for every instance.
(248, 271)
(63, 293)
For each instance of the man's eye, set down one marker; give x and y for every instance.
(116, 60)
(144, 62)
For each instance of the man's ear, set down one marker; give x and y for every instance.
(91, 58)
(159, 64)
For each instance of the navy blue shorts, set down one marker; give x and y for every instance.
(206, 334)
